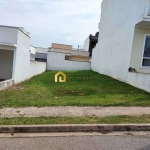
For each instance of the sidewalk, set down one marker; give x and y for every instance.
(73, 111)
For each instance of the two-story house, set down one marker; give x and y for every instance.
(123, 50)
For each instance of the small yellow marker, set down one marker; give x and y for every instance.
(60, 77)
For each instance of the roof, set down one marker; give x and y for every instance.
(19, 28)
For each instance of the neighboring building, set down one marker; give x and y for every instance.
(63, 57)
(123, 49)
(32, 53)
(15, 56)
(90, 43)
(41, 54)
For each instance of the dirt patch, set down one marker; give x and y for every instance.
(16, 87)
(74, 92)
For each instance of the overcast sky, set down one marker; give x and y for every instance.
(53, 21)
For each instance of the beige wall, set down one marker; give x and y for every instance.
(6, 64)
(61, 46)
(71, 52)
(137, 49)
(77, 58)
(58, 50)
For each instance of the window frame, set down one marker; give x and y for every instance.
(144, 67)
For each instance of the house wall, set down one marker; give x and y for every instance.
(41, 50)
(72, 52)
(23, 67)
(139, 80)
(32, 53)
(6, 84)
(32, 50)
(112, 54)
(32, 57)
(41, 55)
(61, 46)
(60, 50)
(36, 68)
(138, 49)
(86, 44)
(15, 56)
(22, 58)
(6, 64)
(8, 35)
(56, 61)
(79, 53)
(77, 58)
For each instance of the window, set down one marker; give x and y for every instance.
(146, 55)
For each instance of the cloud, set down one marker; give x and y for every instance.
(61, 21)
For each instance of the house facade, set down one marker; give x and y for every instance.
(17, 57)
(123, 48)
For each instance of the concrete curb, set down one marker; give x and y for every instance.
(104, 128)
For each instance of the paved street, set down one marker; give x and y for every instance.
(73, 141)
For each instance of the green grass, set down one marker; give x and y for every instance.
(76, 120)
(101, 90)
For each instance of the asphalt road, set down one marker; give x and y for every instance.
(77, 142)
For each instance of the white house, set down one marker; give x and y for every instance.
(15, 56)
(123, 49)
(41, 54)
(90, 43)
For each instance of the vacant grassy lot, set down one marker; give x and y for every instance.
(76, 120)
(84, 88)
